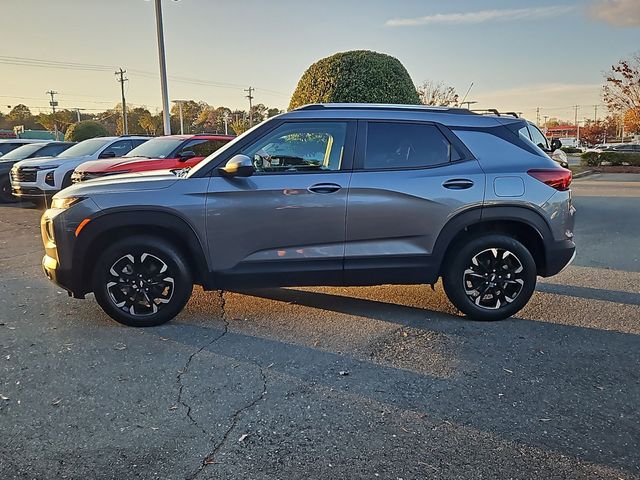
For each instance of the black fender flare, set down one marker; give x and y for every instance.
(479, 215)
(177, 228)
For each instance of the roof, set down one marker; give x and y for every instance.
(449, 116)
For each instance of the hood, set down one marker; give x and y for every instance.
(41, 162)
(127, 182)
(7, 161)
(110, 165)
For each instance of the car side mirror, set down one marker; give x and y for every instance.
(555, 144)
(107, 154)
(186, 155)
(238, 166)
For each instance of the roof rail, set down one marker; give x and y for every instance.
(386, 106)
(494, 111)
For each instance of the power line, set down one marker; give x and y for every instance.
(33, 62)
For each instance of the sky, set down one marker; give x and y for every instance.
(519, 55)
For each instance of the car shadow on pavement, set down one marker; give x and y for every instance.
(521, 373)
(590, 293)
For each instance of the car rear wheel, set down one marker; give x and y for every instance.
(142, 281)
(490, 277)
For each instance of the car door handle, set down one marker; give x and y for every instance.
(324, 188)
(458, 184)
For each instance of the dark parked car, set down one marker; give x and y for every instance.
(335, 194)
(23, 152)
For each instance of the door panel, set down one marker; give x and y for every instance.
(270, 222)
(286, 223)
(394, 216)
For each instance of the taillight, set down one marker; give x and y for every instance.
(558, 178)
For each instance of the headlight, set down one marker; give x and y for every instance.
(65, 202)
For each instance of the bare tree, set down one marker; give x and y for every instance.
(621, 91)
(437, 93)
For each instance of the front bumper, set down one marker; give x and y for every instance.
(62, 278)
(32, 192)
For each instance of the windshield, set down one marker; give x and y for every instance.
(87, 147)
(156, 148)
(23, 152)
(226, 147)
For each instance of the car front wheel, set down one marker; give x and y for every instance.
(142, 281)
(490, 278)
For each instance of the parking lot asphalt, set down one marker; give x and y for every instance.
(377, 382)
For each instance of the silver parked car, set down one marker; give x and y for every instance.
(331, 194)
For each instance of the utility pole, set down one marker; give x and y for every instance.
(250, 90)
(54, 104)
(78, 113)
(595, 113)
(121, 80)
(538, 116)
(577, 126)
(225, 117)
(166, 114)
(545, 123)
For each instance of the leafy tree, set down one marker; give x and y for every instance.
(84, 130)
(239, 126)
(355, 76)
(151, 124)
(21, 115)
(595, 132)
(272, 112)
(432, 93)
(621, 91)
(190, 113)
(632, 120)
(134, 115)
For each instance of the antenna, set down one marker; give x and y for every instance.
(465, 95)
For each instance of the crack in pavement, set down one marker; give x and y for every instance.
(235, 417)
(184, 369)
(210, 458)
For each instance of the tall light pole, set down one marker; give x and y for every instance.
(179, 103)
(166, 114)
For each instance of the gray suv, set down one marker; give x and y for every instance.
(330, 194)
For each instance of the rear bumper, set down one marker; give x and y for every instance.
(558, 256)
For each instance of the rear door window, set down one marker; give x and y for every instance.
(396, 145)
(120, 147)
(538, 138)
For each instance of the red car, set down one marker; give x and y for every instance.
(162, 153)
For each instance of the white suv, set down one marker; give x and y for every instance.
(39, 179)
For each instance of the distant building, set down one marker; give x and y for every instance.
(567, 134)
(33, 134)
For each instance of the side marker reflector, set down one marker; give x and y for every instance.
(83, 223)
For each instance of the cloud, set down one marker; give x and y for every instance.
(619, 13)
(483, 16)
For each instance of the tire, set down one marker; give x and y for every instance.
(496, 264)
(160, 273)
(5, 191)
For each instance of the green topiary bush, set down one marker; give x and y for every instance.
(616, 159)
(83, 130)
(358, 76)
